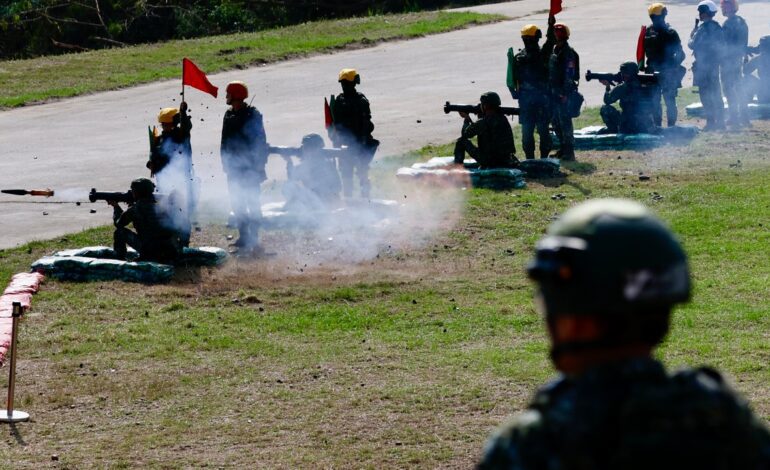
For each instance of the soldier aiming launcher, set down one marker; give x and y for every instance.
(615, 78)
(476, 109)
(127, 197)
(25, 192)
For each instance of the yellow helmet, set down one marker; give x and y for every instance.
(349, 75)
(657, 9)
(563, 27)
(166, 115)
(531, 30)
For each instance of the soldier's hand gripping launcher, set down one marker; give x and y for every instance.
(127, 197)
(615, 78)
(476, 109)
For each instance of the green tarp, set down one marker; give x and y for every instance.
(593, 138)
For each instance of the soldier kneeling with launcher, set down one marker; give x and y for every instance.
(496, 147)
(636, 115)
(154, 239)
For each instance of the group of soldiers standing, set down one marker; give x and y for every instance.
(163, 220)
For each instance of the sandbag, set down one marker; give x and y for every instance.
(203, 256)
(443, 171)
(82, 269)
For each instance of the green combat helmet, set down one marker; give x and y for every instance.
(612, 259)
(630, 68)
(490, 98)
(312, 142)
(142, 187)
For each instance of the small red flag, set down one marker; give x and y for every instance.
(194, 77)
(640, 47)
(328, 120)
(555, 7)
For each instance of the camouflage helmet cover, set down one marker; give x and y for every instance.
(490, 98)
(312, 142)
(630, 68)
(142, 187)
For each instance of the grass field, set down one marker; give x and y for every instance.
(25, 82)
(409, 359)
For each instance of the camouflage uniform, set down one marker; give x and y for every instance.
(633, 415)
(707, 44)
(153, 239)
(563, 76)
(171, 165)
(353, 128)
(736, 36)
(244, 156)
(495, 137)
(663, 49)
(529, 76)
(636, 116)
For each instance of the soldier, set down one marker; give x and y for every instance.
(529, 74)
(636, 116)
(244, 153)
(563, 76)
(155, 238)
(315, 182)
(353, 128)
(496, 147)
(707, 44)
(664, 53)
(609, 274)
(171, 164)
(761, 63)
(736, 34)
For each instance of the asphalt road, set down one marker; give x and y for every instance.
(101, 141)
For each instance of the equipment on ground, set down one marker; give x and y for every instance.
(476, 109)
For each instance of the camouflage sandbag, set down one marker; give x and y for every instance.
(542, 168)
(146, 272)
(80, 268)
(435, 163)
(101, 252)
(498, 178)
(636, 141)
(203, 256)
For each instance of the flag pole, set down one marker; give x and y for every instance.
(182, 80)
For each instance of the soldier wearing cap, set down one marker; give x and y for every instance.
(563, 77)
(529, 84)
(244, 152)
(155, 237)
(707, 44)
(760, 63)
(171, 164)
(664, 54)
(636, 115)
(353, 127)
(736, 35)
(496, 148)
(608, 274)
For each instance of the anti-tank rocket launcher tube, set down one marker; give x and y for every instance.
(127, 197)
(476, 109)
(613, 78)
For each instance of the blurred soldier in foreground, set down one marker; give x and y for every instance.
(663, 49)
(171, 164)
(707, 44)
(352, 127)
(636, 116)
(609, 274)
(154, 239)
(736, 34)
(529, 85)
(244, 156)
(563, 76)
(761, 63)
(495, 138)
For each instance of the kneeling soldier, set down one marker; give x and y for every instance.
(636, 116)
(496, 148)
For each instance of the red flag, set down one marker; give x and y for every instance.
(328, 121)
(194, 77)
(555, 7)
(640, 47)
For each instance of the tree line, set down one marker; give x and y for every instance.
(30, 28)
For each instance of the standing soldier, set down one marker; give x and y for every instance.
(171, 165)
(563, 76)
(663, 49)
(609, 274)
(736, 33)
(244, 153)
(529, 85)
(353, 128)
(707, 44)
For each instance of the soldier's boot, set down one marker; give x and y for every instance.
(459, 152)
(567, 153)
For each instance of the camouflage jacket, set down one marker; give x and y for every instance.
(636, 105)
(530, 70)
(495, 139)
(244, 146)
(633, 415)
(736, 34)
(151, 225)
(172, 145)
(352, 120)
(707, 44)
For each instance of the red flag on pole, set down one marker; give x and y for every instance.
(194, 77)
(328, 120)
(555, 7)
(640, 47)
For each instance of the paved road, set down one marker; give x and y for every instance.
(100, 140)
